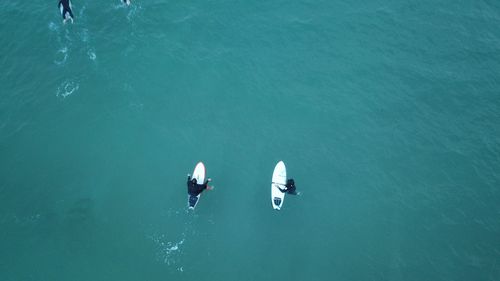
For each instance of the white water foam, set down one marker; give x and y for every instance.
(67, 88)
(91, 54)
(84, 35)
(20, 220)
(82, 10)
(62, 56)
(53, 26)
(133, 10)
(168, 251)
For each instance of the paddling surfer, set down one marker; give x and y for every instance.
(66, 12)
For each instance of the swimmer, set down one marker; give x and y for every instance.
(66, 12)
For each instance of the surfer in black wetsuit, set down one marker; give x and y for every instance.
(126, 2)
(65, 8)
(290, 187)
(194, 188)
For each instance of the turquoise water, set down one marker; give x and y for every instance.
(385, 113)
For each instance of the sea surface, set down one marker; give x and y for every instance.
(386, 114)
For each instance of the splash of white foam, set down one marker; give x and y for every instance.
(67, 35)
(63, 53)
(92, 55)
(21, 220)
(175, 246)
(53, 26)
(133, 10)
(168, 251)
(82, 10)
(84, 35)
(67, 88)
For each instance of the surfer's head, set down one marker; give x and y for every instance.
(194, 181)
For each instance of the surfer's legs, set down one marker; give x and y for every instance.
(65, 8)
(67, 16)
(192, 200)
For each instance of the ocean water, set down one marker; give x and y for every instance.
(386, 114)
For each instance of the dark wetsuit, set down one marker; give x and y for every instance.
(194, 189)
(290, 187)
(65, 7)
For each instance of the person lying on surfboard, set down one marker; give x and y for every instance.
(290, 187)
(127, 2)
(66, 12)
(194, 188)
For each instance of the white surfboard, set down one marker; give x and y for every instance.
(198, 174)
(278, 181)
